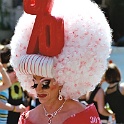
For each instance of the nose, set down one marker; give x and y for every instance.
(39, 87)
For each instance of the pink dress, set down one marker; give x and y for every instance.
(88, 116)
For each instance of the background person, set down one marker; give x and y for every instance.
(4, 59)
(30, 101)
(4, 84)
(115, 92)
(4, 94)
(97, 96)
(15, 96)
(4, 81)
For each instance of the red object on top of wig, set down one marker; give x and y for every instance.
(47, 36)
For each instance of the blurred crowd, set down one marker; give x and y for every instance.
(13, 99)
(108, 96)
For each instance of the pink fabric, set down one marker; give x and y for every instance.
(88, 116)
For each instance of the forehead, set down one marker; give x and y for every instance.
(38, 77)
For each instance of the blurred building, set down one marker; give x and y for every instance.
(14, 9)
(10, 11)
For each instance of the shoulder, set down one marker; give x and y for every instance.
(99, 94)
(75, 105)
(27, 116)
(122, 88)
(23, 119)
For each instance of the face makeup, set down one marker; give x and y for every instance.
(45, 83)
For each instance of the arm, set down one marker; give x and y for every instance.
(82, 98)
(85, 97)
(6, 83)
(23, 119)
(99, 98)
(6, 106)
(9, 107)
(122, 88)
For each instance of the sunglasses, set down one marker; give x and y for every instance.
(45, 84)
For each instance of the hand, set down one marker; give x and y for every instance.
(20, 108)
(113, 117)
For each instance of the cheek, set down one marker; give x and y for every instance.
(53, 87)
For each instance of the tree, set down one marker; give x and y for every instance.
(116, 17)
(4, 15)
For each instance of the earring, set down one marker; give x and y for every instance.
(60, 96)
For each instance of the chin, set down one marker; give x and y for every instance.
(42, 100)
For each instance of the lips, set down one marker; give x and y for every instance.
(41, 95)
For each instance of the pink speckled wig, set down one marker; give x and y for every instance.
(83, 59)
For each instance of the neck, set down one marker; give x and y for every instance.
(53, 105)
(112, 85)
(4, 65)
(50, 116)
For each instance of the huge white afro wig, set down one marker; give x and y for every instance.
(87, 46)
